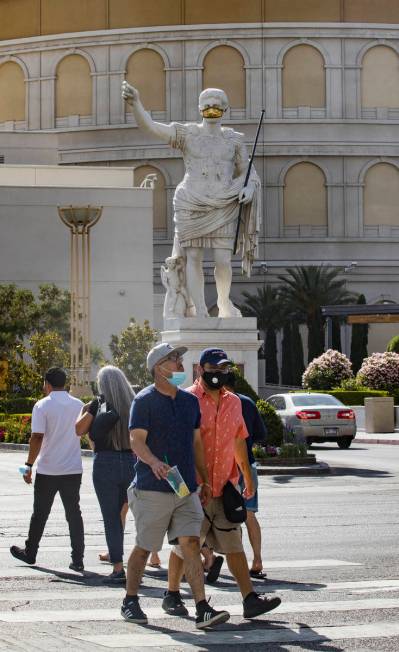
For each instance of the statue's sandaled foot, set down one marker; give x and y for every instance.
(228, 310)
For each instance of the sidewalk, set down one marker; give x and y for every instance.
(363, 437)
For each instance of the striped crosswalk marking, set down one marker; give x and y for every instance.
(139, 638)
(79, 615)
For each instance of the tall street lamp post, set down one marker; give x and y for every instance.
(79, 220)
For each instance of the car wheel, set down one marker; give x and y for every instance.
(344, 442)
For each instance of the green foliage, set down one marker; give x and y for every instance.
(304, 290)
(54, 305)
(242, 386)
(18, 311)
(327, 371)
(359, 341)
(291, 450)
(266, 307)
(352, 397)
(47, 350)
(274, 425)
(393, 345)
(17, 405)
(129, 351)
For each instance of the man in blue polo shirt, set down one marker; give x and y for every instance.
(164, 431)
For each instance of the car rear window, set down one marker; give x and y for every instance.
(311, 399)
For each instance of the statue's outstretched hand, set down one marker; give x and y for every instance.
(246, 194)
(129, 93)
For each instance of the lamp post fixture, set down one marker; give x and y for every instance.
(79, 220)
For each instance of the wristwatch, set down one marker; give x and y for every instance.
(28, 464)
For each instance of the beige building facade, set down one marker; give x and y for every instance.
(326, 72)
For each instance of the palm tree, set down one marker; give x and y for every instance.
(266, 307)
(305, 290)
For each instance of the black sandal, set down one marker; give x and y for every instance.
(214, 571)
(257, 574)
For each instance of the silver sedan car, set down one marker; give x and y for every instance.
(316, 418)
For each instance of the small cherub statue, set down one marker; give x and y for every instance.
(177, 302)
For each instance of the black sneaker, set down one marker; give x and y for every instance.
(173, 604)
(77, 567)
(131, 611)
(255, 605)
(22, 555)
(207, 617)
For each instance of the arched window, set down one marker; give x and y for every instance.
(304, 82)
(380, 78)
(224, 68)
(12, 92)
(160, 206)
(145, 71)
(73, 89)
(305, 197)
(381, 195)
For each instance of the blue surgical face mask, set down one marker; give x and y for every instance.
(177, 378)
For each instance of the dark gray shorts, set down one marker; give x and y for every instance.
(157, 513)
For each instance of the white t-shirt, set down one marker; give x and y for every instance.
(55, 416)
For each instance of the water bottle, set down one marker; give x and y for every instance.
(24, 469)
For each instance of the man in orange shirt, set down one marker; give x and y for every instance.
(223, 434)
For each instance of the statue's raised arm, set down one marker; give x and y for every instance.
(143, 118)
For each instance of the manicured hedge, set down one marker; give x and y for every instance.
(17, 404)
(274, 425)
(16, 429)
(350, 397)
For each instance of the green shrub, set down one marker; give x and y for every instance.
(273, 423)
(352, 397)
(243, 387)
(327, 371)
(17, 404)
(393, 344)
(293, 450)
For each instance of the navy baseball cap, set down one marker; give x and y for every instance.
(214, 356)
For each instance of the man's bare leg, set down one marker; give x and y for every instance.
(255, 539)
(238, 567)
(135, 569)
(175, 572)
(195, 279)
(190, 547)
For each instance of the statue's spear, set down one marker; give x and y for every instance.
(251, 160)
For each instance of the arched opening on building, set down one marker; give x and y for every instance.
(73, 91)
(380, 83)
(381, 199)
(224, 68)
(12, 93)
(305, 200)
(160, 199)
(303, 82)
(146, 71)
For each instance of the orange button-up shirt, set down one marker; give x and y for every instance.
(220, 426)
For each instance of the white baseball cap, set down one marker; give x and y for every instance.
(161, 351)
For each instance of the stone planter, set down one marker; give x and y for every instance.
(286, 461)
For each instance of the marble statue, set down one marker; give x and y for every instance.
(206, 201)
(177, 302)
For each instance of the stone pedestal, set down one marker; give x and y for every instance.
(237, 336)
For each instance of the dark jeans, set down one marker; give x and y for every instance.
(113, 471)
(46, 487)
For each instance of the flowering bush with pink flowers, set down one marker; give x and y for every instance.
(327, 371)
(380, 371)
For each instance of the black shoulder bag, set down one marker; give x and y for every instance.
(233, 504)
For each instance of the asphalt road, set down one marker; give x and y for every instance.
(330, 547)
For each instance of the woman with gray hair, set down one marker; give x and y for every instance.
(113, 466)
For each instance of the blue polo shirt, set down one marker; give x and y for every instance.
(170, 424)
(255, 425)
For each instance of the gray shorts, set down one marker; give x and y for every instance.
(157, 513)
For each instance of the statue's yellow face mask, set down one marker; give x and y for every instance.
(212, 112)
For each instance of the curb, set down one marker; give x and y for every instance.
(320, 468)
(25, 447)
(364, 440)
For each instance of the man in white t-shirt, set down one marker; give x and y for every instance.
(59, 467)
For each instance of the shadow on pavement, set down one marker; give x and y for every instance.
(360, 473)
(276, 629)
